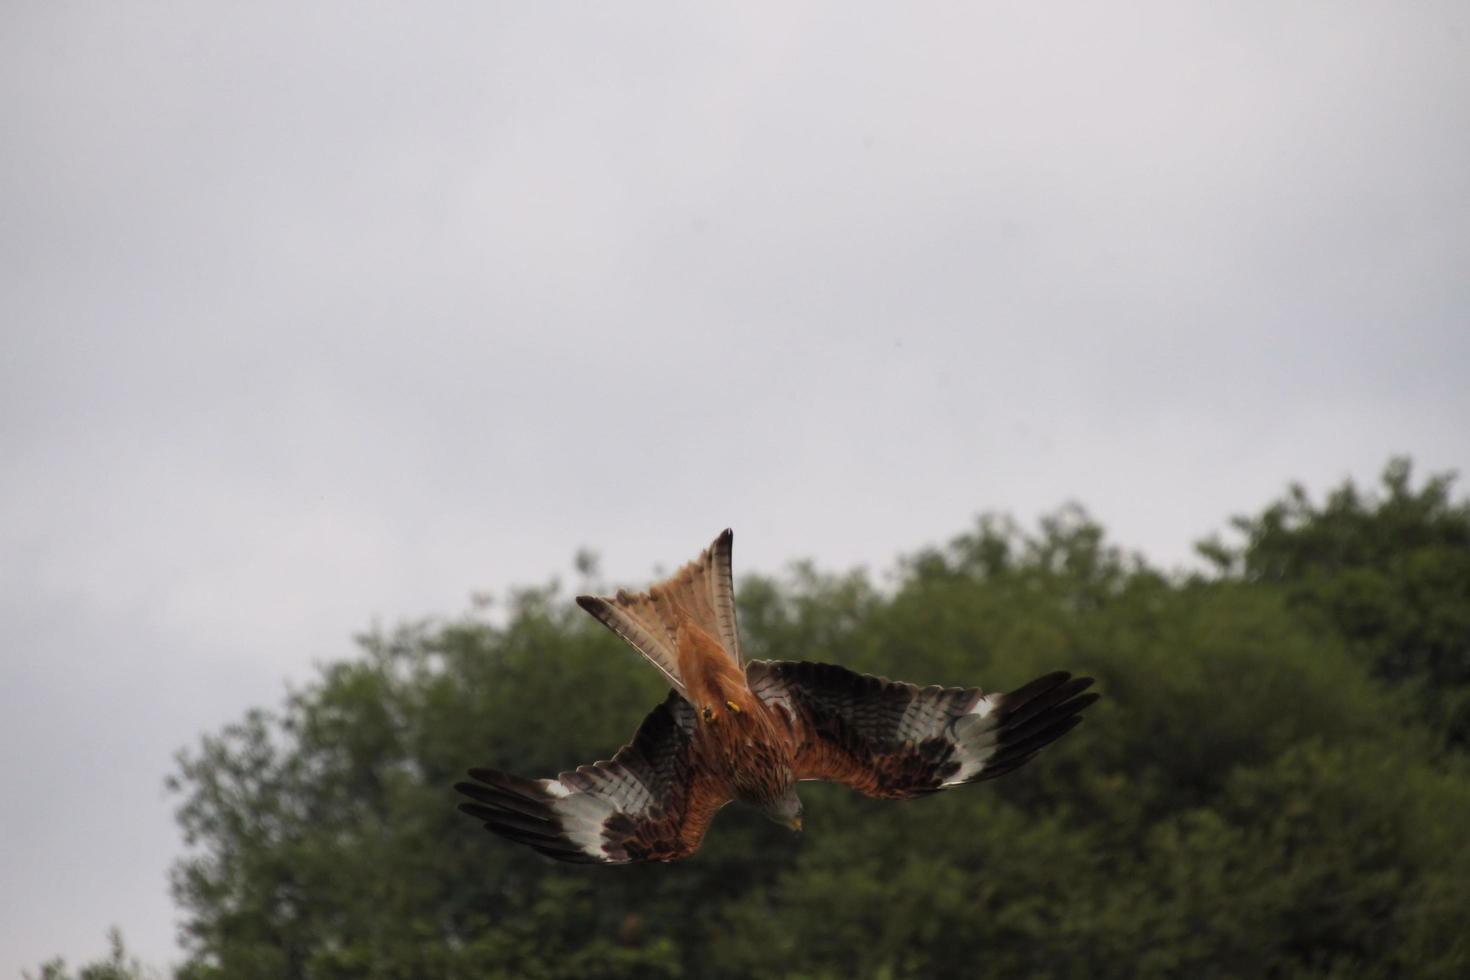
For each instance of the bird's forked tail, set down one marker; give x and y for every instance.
(702, 593)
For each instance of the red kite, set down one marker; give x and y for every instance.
(731, 730)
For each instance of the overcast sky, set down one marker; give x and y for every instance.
(316, 315)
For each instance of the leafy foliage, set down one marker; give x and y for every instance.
(1250, 798)
(117, 965)
(1388, 573)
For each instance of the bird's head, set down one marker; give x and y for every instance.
(785, 809)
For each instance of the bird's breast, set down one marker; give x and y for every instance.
(753, 755)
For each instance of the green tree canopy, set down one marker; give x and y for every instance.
(1264, 790)
(1387, 572)
(116, 965)
(1247, 800)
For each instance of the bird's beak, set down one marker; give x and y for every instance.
(795, 824)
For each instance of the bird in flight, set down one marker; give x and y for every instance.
(732, 730)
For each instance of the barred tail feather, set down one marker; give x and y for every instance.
(636, 618)
(702, 592)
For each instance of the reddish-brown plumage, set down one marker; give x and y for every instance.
(710, 676)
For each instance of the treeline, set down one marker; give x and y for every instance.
(1275, 783)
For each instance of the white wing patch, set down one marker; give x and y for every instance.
(976, 736)
(598, 812)
(582, 816)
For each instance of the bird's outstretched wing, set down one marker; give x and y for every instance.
(896, 741)
(648, 803)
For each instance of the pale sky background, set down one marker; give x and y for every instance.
(320, 314)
